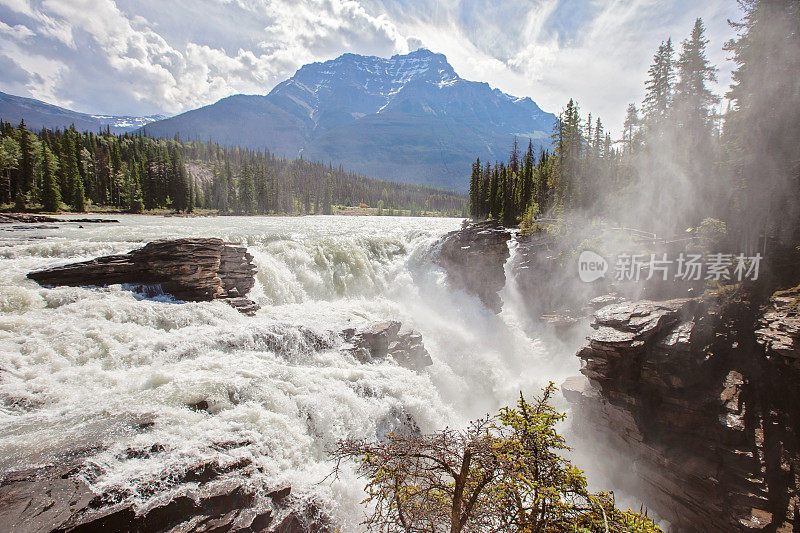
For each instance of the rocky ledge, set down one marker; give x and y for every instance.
(188, 269)
(202, 497)
(707, 419)
(474, 259)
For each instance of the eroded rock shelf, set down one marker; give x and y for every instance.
(194, 269)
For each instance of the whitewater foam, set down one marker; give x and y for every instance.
(88, 366)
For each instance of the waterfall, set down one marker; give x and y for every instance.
(120, 370)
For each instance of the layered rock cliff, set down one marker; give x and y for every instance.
(693, 415)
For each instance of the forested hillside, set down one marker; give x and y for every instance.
(52, 170)
(678, 161)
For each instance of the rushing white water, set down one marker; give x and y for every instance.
(83, 366)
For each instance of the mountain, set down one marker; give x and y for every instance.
(38, 115)
(408, 118)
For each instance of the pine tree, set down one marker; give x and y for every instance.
(135, 202)
(526, 187)
(509, 215)
(692, 96)
(247, 191)
(51, 197)
(474, 184)
(513, 161)
(326, 197)
(631, 126)
(494, 195)
(230, 185)
(762, 131)
(78, 196)
(26, 167)
(660, 85)
(599, 138)
(69, 166)
(9, 162)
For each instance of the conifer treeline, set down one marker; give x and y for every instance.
(50, 170)
(679, 161)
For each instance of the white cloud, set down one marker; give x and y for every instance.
(143, 56)
(596, 51)
(20, 32)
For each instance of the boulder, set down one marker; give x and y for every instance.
(409, 351)
(474, 259)
(191, 269)
(373, 341)
(384, 339)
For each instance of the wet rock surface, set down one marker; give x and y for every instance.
(188, 269)
(385, 339)
(474, 259)
(692, 413)
(210, 497)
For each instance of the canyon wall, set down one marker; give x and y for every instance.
(692, 405)
(695, 404)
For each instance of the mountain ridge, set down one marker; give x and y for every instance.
(408, 118)
(39, 114)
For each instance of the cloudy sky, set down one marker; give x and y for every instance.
(166, 56)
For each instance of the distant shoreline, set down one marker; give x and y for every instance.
(202, 213)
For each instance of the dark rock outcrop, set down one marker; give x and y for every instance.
(216, 497)
(474, 259)
(385, 339)
(691, 414)
(188, 269)
(24, 218)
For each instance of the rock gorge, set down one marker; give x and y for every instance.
(692, 402)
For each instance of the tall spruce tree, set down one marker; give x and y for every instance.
(659, 85)
(51, 197)
(26, 167)
(247, 191)
(630, 127)
(762, 130)
(78, 196)
(693, 98)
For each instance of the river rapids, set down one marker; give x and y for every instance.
(84, 367)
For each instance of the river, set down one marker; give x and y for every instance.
(83, 366)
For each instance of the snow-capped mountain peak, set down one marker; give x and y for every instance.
(408, 117)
